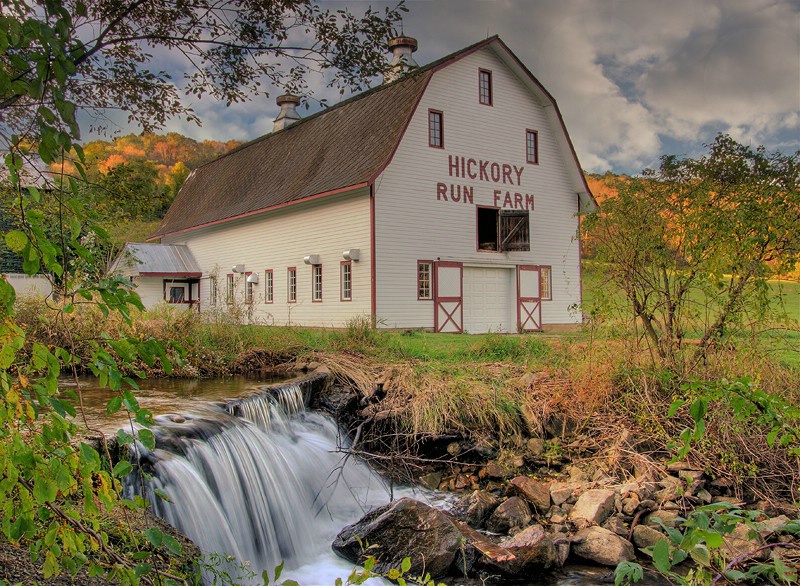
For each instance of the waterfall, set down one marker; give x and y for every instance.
(259, 479)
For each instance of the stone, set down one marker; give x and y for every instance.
(476, 507)
(593, 505)
(704, 496)
(562, 551)
(404, 528)
(535, 446)
(431, 480)
(668, 518)
(644, 536)
(616, 525)
(690, 475)
(560, 492)
(530, 551)
(461, 481)
(601, 546)
(493, 470)
(630, 504)
(772, 525)
(576, 474)
(742, 541)
(454, 448)
(514, 513)
(535, 492)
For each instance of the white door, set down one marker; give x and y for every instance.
(448, 297)
(489, 300)
(529, 299)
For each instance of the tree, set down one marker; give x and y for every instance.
(693, 244)
(59, 58)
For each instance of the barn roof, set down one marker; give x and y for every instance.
(341, 147)
(156, 260)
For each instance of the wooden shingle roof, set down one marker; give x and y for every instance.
(337, 148)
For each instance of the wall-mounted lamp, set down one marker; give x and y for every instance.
(312, 259)
(352, 254)
(237, 268)
(252, 278)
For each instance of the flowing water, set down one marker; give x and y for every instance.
(262, 480)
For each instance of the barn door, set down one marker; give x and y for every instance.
(448, 295)
(529, 299)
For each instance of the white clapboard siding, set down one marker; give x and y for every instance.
(411, 224)
(150, 290)
(280, 239)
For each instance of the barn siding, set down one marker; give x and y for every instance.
(280, 239)
(411, 224)
(150, 290)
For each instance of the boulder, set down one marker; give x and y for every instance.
(742, 541)
(404, 528)
(535, 492)
(616, 524)
(668, 518)
(514, 513)
(601, 546)
(775, 524)
(493, 470)
(535, 446)
(644, 536)
(431, 480)
(530, 550)
(560, 492)
(593, 506)
(475, 507)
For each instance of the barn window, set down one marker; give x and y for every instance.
(248, 289)
(347, 281)
(176, 295)
(435, 129)
(532, 146)
(503, 230)
(269, 289)
(229, 289)
(316, 283)
(291, 285)
(212, 290)
(546, 288)
(424, 272)
(485, 87)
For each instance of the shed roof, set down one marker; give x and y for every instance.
(156, 260)
(342, 147)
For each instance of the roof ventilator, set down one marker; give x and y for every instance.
(288, 114)
(401, 48)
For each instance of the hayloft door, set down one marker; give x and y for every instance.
(529, 299)
(448, 297)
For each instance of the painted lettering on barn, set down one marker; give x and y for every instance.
(489, 172)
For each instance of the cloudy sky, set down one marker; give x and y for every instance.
(634, 78)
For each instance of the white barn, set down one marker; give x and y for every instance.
(447, 200)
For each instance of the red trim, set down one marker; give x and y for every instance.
(188, 289)
(549, 269)
(491, 88)
(341, 280)
(262, 210)
(382, 168)
(250, 287)
(267, 282)
(183, 275)
(230, 293)
(288, 285)
(441, 128)
(373, 303)
(459, 301)
(430, 278)
(314, 269)
(535, 133)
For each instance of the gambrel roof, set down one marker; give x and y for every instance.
(343, 147)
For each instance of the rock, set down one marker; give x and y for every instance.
(404, 528)
(668, 518)
(560, 492)
(630, 504)
(475, 507)
(576, 474)
(532, 550)
(461, 481)
(741, 541)
(601, 546)
(562, 551)
(593, 505)
(431, 480)
(493, 470)
(690, 475)
(535, 446)
(704, 496)
(535, 492)
(558, 424)
(313, 365)
(616, 525)
(678, 466)
(514, 513)
(644, 536)
(477, 546)
(769, 526)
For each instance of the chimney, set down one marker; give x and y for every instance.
(401, 48)
(288, 115)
